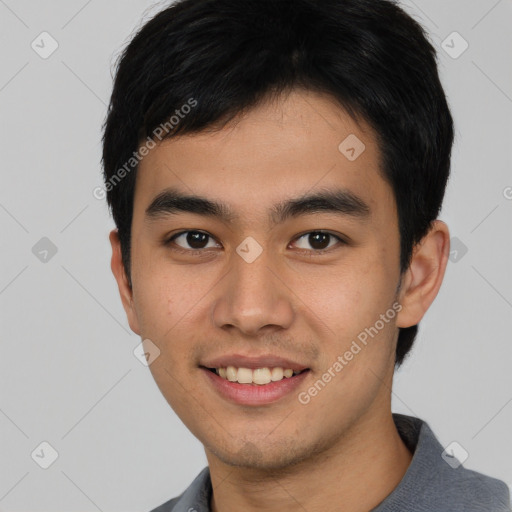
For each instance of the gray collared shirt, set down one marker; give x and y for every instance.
(430, 484)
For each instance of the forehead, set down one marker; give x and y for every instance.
(286, 147)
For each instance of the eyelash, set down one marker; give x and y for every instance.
(201, 252)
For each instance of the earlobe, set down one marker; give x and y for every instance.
(125, 291)
(424, 277)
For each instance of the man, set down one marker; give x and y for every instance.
(275, 169)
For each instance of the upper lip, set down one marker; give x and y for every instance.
(253, 362)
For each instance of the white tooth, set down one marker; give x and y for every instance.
(244, 376)
(231, 373)
(261, 376)
(277, 374)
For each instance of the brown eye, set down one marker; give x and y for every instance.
(194, 239)
(317, 241)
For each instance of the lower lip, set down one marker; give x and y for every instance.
(255, 394)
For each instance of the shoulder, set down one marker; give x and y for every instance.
(471, 490)
(168, 506)
(196, 497)
(435, 482)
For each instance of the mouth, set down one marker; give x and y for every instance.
(256, 376)
(254, 386)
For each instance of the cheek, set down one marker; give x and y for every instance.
(169, 297)
(154, 304)
(349, 299)
(351, 303)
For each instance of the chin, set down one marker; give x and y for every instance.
(264, 456)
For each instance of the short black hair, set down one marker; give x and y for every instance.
(222, 57)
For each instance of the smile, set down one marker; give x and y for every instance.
(257, 386)
(260, 376)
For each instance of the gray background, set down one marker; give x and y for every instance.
(68, 375)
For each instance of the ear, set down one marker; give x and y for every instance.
(422, 280)
(116, 264)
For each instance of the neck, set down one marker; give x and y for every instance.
(355, 475)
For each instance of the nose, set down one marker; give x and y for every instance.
(252, 297)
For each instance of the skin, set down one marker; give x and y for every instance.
(342, 449)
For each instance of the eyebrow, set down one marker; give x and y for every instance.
(339, 201)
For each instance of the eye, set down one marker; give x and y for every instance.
(195, 239)
(320, 241)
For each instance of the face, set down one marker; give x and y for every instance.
(293, 264)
